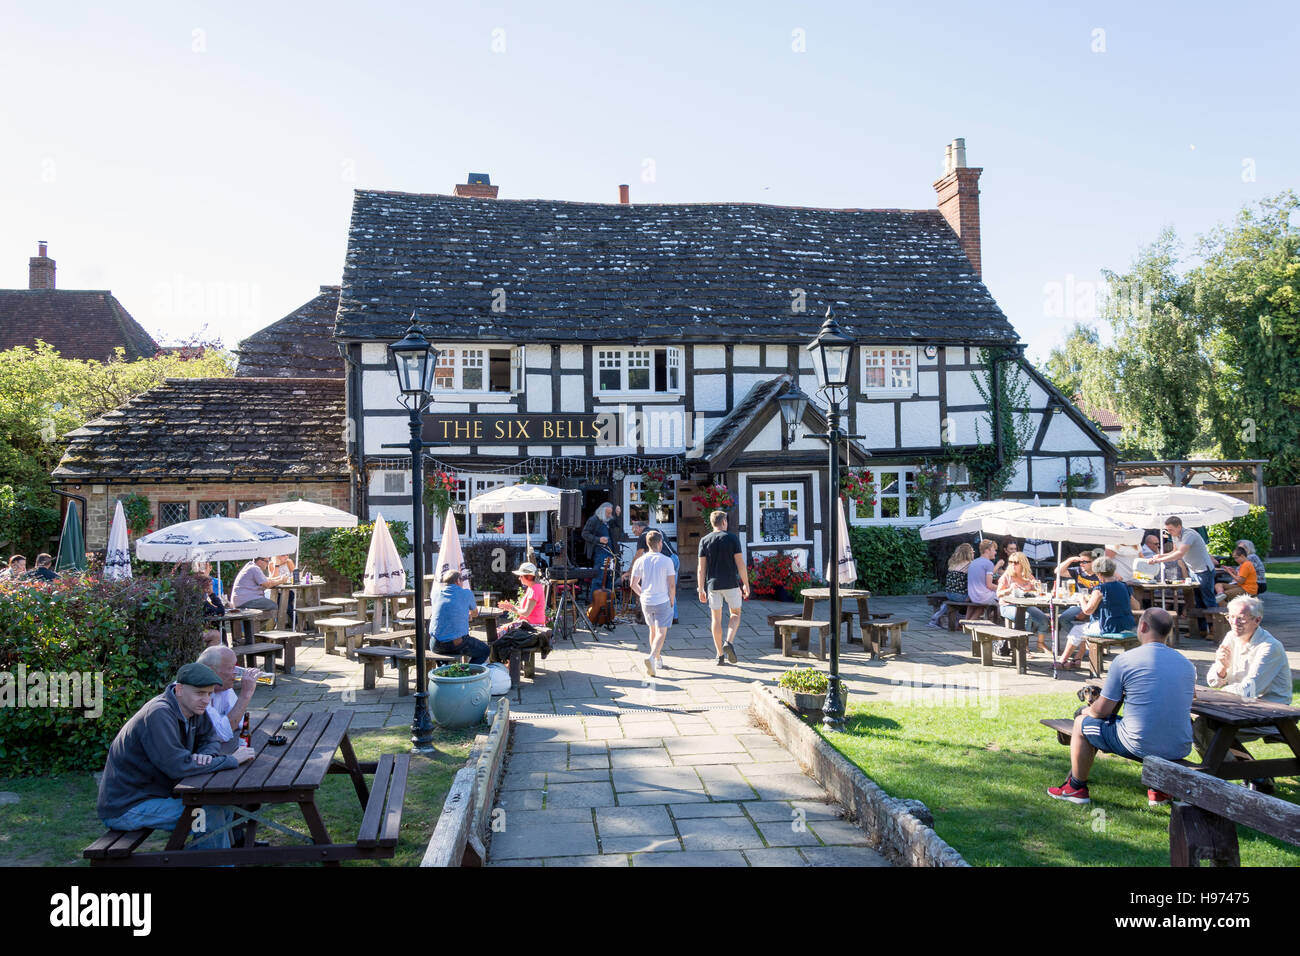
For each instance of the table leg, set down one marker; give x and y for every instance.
(1219, 747)
(1020, 617)
(491, 624)
(181, 832)
(317, 826)
(354, 770)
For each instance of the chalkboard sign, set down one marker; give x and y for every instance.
(775, 524)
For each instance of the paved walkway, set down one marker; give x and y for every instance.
(609, 767)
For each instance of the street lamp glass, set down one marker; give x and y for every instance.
(792, 405)
(832, 355)
(414, 361)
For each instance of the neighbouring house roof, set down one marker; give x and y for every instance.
(215, 428)
(80, 323)
(596, 272)
(301, 345)
(730, 438)
(1106, 420)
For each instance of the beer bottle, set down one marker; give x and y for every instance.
(245, 735)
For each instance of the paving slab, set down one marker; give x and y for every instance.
(839, 832)
(719, 833)
(644, 798)
(782, 856)
(641, 757)
(629, 821)
(558, 839)
(782, 786)
(657, 778)
(788, 833)
(569, 795)
(689, 858)
(601, 859)
(842, 856)
(690, 810)
(724, 782)
(648, 843)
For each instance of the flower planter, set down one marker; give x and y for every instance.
(804, 703)
(456, 702)
(783, 594)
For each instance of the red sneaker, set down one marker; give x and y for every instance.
(1072, 794)
(1156, 798)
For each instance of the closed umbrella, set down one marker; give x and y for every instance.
(117, 559)
(385, 573)
(848, 568)
(450, 555)
(72, 545)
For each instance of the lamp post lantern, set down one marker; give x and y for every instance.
(792, 404)
(832, 357)
(414, 361)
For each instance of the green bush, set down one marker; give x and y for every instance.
(134, 635)
(346, 549)
(26, 525)
(1252, 526)
(804, 680)
(891, 560)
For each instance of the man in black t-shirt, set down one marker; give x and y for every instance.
(722, 575)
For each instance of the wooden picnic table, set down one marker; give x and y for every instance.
(489, 616)
(812, 595)
(380, 600)
(1227, 714)
(235, 616)
(302, 591)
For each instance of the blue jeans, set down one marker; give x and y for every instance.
(1036, 619)
(162, 813)
(1204, 595)
(477, 650)
(1066, 617)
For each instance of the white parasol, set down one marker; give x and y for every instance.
(965, 519)
(299, 515)
(514, 498)
(117, 559)
(215, 539)
(450, 556)
(384, 571)
(848, 569)
(1153, 505)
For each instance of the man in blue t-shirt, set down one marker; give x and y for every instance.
(1155, 683)
(452, 608)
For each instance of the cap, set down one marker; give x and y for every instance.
(198, 675)
(526, 568)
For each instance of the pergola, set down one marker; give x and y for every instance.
(1213, 474)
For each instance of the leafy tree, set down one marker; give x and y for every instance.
(1250, 282)
(1069, 366)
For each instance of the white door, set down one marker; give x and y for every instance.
(774, 498)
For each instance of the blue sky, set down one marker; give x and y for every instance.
(198, 158)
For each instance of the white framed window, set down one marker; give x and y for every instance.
(889, 370)
(897, 501)
(665, 517)
(774, 496)
(515, 525)
(646, 371)
(479, 369)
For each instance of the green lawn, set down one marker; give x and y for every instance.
(1282, 578)
(54, 819)
(985, 780)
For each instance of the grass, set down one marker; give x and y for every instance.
(985, 779)
(54, 819)
(1282, 578)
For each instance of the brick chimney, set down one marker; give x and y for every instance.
(478, 186)
(624, 196)
(959, 199)
(40, 269)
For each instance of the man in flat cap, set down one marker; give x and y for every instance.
(169, 738)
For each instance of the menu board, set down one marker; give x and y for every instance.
(774, 523)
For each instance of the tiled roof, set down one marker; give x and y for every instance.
(228, 428)
(81, 324)
(301, 345)
(626, 273)
(1106, 420)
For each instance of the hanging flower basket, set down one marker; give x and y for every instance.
(440, 488)
(713, 498)
(859, 487)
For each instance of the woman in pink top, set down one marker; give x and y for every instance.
(533, 609)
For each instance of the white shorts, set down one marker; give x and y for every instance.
(732, 596)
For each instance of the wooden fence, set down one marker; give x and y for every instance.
(1284, 519)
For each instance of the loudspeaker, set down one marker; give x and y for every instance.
(570, 509)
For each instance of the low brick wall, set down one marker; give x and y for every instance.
(890, 823)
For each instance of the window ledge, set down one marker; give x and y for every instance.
(637, 396)
(873, 393)
(464, 396)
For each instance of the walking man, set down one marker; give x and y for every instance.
(654, 580)
(723, 576)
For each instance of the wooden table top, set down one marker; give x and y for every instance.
(999, 632)
(1162, 585)
(237, 615)
(300, 764)
(295, 587)
(492, 612)
(406, 592)
(1230, 709)
(824, 594)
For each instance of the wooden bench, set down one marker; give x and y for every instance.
(289, 640)
(305, 615)
(115, 845)
(339, 602)
(968, 610)
(373, 658)
(1097, 647)
(982, 636)
(339, 629)
(267, 652)
(388, 638)
(1203, 824)
(382, 822)
(1064, 727)
(526, 660)
(1217, 618)
(883, 634)
(787, 626)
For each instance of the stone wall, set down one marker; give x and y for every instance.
(102, 498)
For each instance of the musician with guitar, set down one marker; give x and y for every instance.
(598, 536)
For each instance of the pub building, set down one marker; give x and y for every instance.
(588, 344)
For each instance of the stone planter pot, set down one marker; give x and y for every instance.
(784, 595)
(804, 703)
(456, 702)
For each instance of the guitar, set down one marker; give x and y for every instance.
(601, 610)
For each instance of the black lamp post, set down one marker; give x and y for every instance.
(414, 360)
(832, 356)
(792, 403)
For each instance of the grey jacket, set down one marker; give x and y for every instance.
(153, 751)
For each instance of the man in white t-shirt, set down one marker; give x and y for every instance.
(226, 708)
(654, 580)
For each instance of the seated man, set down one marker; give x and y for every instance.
(1079, 569)
(981, 585)
(1244, 580)
(1251, 663)
(226, 709)
(44, 570)
(251, 582)
(453, 606)
(1156, 684)
(168, 739)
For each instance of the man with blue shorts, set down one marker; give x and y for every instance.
(1155, 683)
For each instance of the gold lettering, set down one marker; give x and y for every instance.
(548, 429)
(445, 425)
(462, 426)
(521, 430)
(478, 429)
(498, 430)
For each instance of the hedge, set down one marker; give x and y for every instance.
(1252, 526)
(134, 635)
(346, 549)
(891, 560)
